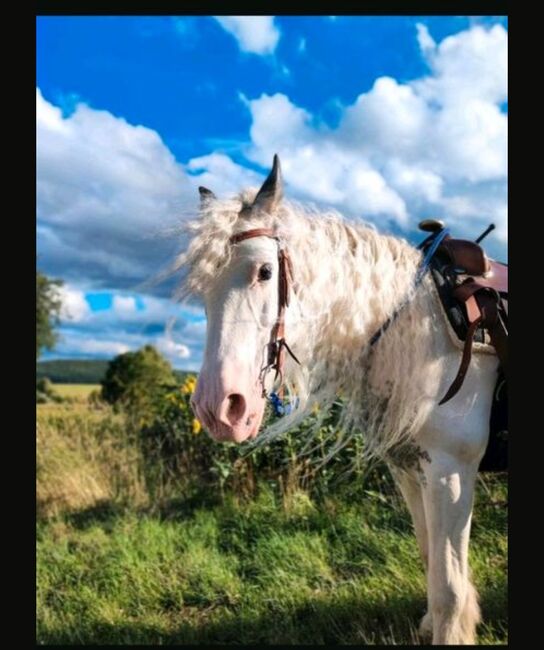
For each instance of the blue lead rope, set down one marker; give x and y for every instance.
(277, 404)
(276, 401)
(424, 266)
(279, 407)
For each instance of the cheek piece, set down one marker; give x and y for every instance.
(275, 348)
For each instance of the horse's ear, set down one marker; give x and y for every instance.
(271, 193)
(205, 195)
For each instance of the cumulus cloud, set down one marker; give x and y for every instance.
(106, 190)
(425, 41)
(132, 321)
(402, 150)
(124, 305)
(74, 307)
(220, 174)
(171, 349)
(93, 347)
(255, 34)
(471, 64)
(433, 146)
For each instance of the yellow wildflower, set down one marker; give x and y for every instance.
(189, 385)
(197, 427)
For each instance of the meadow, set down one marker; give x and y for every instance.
(143, 542)
(79, 392)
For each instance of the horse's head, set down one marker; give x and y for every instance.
(242, 305)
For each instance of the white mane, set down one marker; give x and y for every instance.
(348, 279)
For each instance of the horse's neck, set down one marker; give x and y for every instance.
(355, 278)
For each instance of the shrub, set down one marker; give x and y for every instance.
(95, 399)
(134, 380)
(45, 392)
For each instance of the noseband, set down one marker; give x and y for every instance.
(275, 348)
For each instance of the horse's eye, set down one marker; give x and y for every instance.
(265, 272)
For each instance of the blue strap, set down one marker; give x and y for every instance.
(279, 407)
(420, 274)
(424, 266)
(277, 404)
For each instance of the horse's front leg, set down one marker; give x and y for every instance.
(448, 492)
(410, 487)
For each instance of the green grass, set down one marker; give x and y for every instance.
(78, 391)
(261, 571)
(125, 558)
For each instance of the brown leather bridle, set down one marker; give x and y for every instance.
(275, 348)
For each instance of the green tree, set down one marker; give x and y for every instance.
(48, 304)
(134, 380)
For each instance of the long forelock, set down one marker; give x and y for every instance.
(209, 250)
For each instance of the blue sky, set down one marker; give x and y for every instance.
(405, 118)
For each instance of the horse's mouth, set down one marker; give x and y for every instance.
(222, 432)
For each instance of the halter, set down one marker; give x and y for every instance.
(275, 348)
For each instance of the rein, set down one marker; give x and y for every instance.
(277, 345)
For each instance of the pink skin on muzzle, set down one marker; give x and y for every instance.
(228, 398)
(229, 404)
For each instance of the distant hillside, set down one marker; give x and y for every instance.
(72, 371)
(79, 371)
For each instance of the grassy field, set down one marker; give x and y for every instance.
(209, 567)
(76, 391)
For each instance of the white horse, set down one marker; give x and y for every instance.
(346, 280)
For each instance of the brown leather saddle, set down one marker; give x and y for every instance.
(474, 293)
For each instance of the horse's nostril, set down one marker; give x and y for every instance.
(236, 408)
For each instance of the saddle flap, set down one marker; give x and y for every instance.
(466, 255)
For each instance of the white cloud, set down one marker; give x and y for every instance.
(108, 348)
(469, 65)
(256, 34)
(177, 331)
(74, 306)
(414, 183)
(277, 125)
(435, 146)
(220, 174)
(314, 163)
(400, 151)
(105, 191)
(171, 349)
(390, 119)
(425, 40)
(124, 305)
(431, 147)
